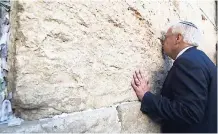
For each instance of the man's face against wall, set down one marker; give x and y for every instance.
(169, 42)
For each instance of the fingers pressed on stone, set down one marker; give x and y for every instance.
(137, 82)
(138, 76)
(133, 85)
(142, 76)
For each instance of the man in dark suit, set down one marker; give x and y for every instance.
(188, 99)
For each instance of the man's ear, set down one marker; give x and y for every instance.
(179, 38)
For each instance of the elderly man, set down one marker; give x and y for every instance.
(188, 99)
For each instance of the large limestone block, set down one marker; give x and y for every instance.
(103, 120)
(74, 55)
(96, 121)
(26, 127)
(134, 121)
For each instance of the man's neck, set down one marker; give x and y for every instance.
(179, 50)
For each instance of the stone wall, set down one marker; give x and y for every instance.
(77, 57)
(126, 118)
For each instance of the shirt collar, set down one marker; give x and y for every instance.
(183, 50)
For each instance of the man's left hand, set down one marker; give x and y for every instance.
(140, 84)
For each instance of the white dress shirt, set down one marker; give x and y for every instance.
(183, 50)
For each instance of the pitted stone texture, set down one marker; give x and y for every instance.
(103, 120)
(73, 55)
(134, 121)
(26, 127)
(82, 56)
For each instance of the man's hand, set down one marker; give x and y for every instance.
(140, 84)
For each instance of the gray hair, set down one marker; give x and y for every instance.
(189, 31)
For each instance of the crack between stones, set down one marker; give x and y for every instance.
(119, 117)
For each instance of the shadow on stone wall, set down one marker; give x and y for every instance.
(158, 77)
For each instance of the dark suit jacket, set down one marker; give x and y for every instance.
(188, 99)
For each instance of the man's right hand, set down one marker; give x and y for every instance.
(140, 84)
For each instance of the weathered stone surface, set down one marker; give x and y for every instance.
(73, 55)
(102, 120)
(134, 121)
(94, 121)
(27, 127)
(83, 56)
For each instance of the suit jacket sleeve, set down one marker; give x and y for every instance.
(189, 89)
